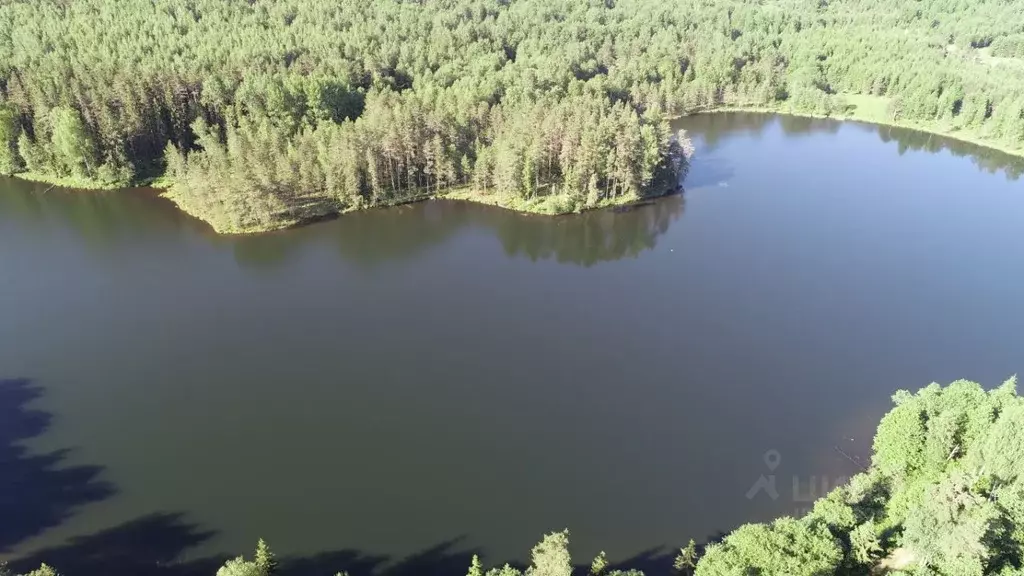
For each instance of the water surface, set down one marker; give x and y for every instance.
(446, 377)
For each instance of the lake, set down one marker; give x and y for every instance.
(401, 387)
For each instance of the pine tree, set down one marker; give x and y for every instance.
(599, 565)
(686, 560)
(10, 132)
(265, 558)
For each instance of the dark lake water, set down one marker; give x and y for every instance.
(444, 377)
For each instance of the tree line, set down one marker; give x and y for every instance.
(263, 113)
(547, 156)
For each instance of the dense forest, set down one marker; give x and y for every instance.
(263, 113)
(944, 496)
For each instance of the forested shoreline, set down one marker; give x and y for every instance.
(943, 496)
(260, 114)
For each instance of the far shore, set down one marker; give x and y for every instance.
(871, 110)
(861, 108)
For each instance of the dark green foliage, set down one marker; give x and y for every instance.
(10, 131)
(279, 111)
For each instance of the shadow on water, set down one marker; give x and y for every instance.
(380, 236)
(444, 559)
(100, 218)
(37, 491)
(364, 239)
(986, 159)
(710, 130)
(120, 220)
(806, 125)
(151, 546)
(709, 171)
(147, 546)
(658, 560)
(154, 546)
(591, 237)
(447, 559)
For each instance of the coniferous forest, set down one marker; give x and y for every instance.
(261, 114)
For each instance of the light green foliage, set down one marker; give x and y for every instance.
(868, 493)
(240, 567)
(686, 561)
(1010, 499)
(264, 563)
(929, 434)
(43, 570)
(551, 556)
(599, 565)
(1001, 451)
(786, 547)
(834, 511)
(476, 568)
(505, 570)
(951, 528)
(1005, 395)
(1010, 46)
(237, 187)
(899, 442)
(73, 150)
(265, 558)
(956, 421)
